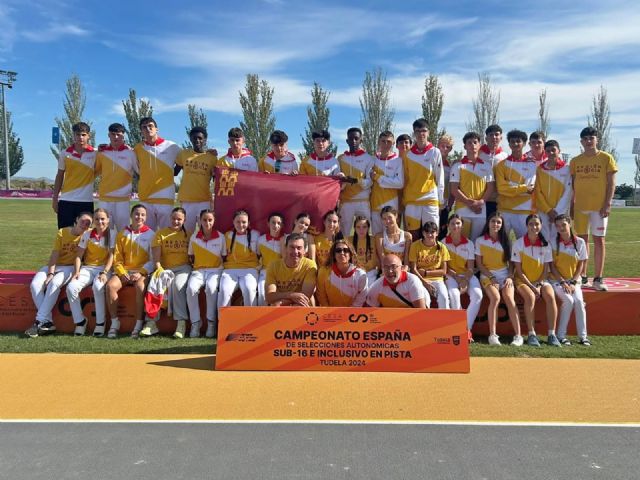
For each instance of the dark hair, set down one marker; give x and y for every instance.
(339, 235)
(117, 128)
(516, 134)
(275, 214)
(389, 209)
(354, 130)
(332, 252)
(202, 214)
(81, 127)
(470, 135)
(235, 132)
(386, 134)
(233, 235)
(588, 132)
(296, 236)
(201, 130)
(503, 238)
(540, 235)
(83, 213)
(301, 215)
(183, 212)
(136, 206)
(144, 120)
(278, 137)
(537, 135)
(455, 216)
(495, 128)
(420, 123)
(431, 227)
(320, 134)
(574, 240)
(404, 137)
(368, 250)
(551, 143)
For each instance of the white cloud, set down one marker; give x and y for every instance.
(54, 32)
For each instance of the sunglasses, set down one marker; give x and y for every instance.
(342, 250)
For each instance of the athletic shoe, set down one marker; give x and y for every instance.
(599, 285)
(470, 337)
(33, 331)
(565, 342)
(135, 333)
(113, 331)
(80, 329)
(195, 330)
(494, 340)
(517, 341)
(181, 327)
(47, 327)
(585, 281)
(99, 330)
(533, 341)
(211, 330)
(150, 328)
(553, 341)
(585, 342)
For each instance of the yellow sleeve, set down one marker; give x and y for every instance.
(540, 203)
(502, 183)
(311, 276)
(57, 244)
(321, 290)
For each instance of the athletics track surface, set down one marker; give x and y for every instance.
(328, 425)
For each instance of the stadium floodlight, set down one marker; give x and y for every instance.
(7, 78)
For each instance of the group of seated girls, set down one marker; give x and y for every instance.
(534, 266)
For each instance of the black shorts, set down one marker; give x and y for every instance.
(491, 207)
(68, 211)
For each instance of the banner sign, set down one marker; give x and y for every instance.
(342, 339)
(261, 194)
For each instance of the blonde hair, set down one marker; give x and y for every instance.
(446, 138)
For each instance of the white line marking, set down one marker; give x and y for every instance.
(336, 422)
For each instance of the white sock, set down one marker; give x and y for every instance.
(139, 324)
(551, 332)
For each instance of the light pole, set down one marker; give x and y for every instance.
(6, 79)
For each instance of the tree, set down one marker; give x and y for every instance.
(75, 100)
(134, 110)
(543, 113)
(485, 106)
(432, 102)
(16, 154)
(636, 177)
(599, 119)
(375, 105)
(317, 118)
(624, 191)
(197, 118)
(257, 112)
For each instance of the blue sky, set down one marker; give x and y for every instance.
(199, 52)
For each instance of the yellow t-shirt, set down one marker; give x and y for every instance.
(566, 256)
(323, 248)
(173, 247)
(491, 252)
(292, 279)
(269, 249)
(66, 244)
(590, 179)
(429, 258)
(197, 170)
(365, 260)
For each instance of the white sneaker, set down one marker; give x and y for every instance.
(195, 330)
(494, 340)
(99, 330)
(599, 285)
(517, 341)
(181, 327)
(80, 329)
(150, 328)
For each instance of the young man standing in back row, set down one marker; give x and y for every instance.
(492, 153)
(423, 194)
(594, 181)
(156, 163)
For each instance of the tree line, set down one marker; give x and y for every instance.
(258, 117)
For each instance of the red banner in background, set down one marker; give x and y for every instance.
(261, 194)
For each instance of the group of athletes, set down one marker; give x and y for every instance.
(492, 224)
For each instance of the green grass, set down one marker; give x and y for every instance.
(627, 347)
(28, 228)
